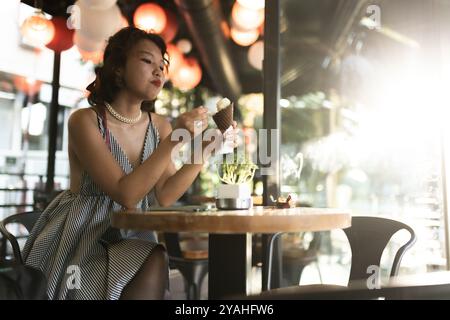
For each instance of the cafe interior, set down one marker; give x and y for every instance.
(337, 188)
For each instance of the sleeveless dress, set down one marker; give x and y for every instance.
(74, 244)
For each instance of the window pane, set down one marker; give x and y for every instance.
(362, 99)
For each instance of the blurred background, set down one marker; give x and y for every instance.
(363, 104)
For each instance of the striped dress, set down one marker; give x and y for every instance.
(73, 241)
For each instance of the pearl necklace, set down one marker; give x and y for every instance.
(119, 117)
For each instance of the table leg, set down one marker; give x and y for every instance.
(230, 263)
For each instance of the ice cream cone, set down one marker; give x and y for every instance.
(224, 118)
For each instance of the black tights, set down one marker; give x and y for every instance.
(151, 281)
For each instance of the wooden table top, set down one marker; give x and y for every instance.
(256, 220)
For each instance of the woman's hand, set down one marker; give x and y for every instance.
(195, 121)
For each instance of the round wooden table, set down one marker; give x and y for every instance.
(230, 235)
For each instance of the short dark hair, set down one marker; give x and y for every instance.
(105, 87)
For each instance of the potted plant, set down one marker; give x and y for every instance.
(235, 192)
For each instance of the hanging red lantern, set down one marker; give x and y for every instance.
(246, 19)
(150, 17)
(171, 29)
(37, 29)
(176, 59)
(244, 38)
(184, 45)
(255, 55)
(188, 76)
(63, 39)
(27, 85)
(98, 24)
(252, 4)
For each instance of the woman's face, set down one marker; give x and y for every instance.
(144, 72)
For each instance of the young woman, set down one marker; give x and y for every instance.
(120, 157)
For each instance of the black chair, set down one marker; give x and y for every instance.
(28, 220)
(19, 281)
(293, 270)
(368, 237)
(296, 259)
(193, 270)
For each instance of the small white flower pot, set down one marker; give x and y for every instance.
(234, 196)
